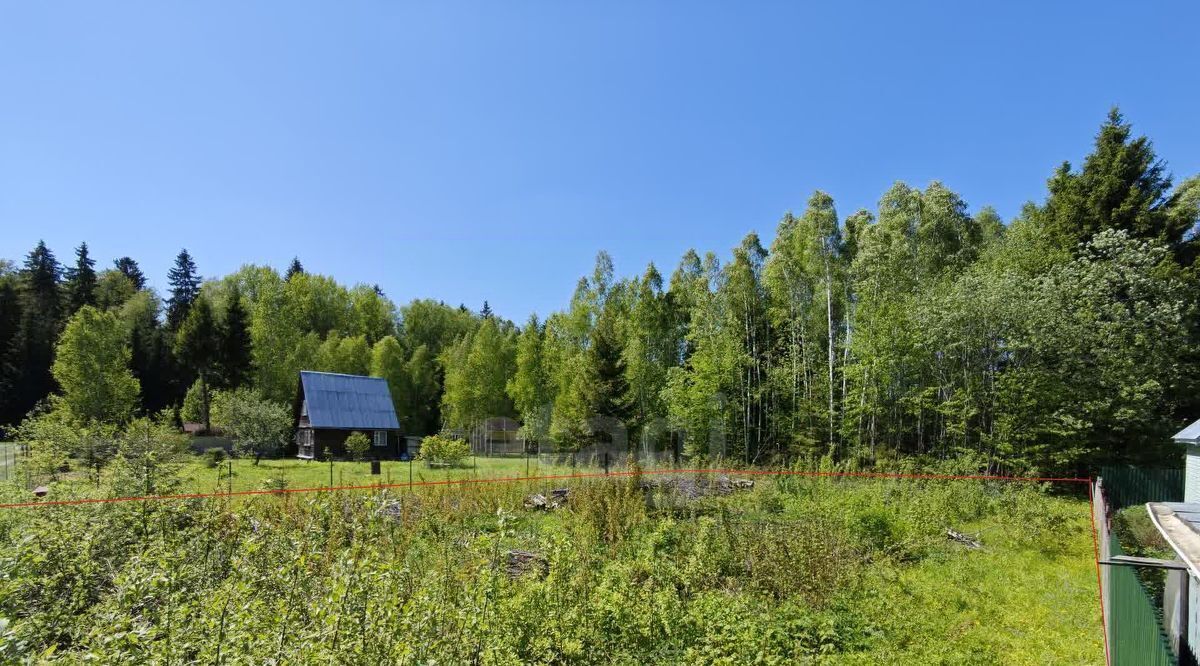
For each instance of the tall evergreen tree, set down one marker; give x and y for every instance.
(41, 318)
(609, 395)
(150, 355)
(81, 280)
(10, 319)
(235, 343)
(198, 348)
(1123, 185)
(294, 268)
(185, 287)
(486, 312)
(131, 270)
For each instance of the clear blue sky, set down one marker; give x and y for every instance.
(487, 151)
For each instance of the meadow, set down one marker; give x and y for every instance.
(628, 570)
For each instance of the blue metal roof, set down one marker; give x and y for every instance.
(348, 402)
(1189, 434)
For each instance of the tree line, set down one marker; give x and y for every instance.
(1060, 341)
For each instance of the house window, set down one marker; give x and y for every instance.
(380, 438)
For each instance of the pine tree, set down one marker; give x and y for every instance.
(486, 312)
(295, 268)
(41, 314)
(185, 287)
(131, 270)
(235, 343)
(81, 280)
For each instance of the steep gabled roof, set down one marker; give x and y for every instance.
(348, 402)
(1189, 435)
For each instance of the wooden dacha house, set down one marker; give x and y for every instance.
(330, 406)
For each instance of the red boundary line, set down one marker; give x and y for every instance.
(558, 477)
(549, 477)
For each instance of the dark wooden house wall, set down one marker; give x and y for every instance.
(328, 442)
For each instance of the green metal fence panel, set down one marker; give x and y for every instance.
(1136, 636)
(1126, 485)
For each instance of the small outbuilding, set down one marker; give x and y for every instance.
(330, 406)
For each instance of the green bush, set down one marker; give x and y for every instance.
(444, 450)
(214, 456)
(358, 445)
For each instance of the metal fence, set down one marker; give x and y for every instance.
(1135, 628)
(1126, 485)
(1136, 636)
(8, 461)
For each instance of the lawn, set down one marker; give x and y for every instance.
(628, 571)
(198, 476)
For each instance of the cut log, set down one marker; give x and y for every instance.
(537, 502)
(968, 541)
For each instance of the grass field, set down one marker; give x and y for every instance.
(198, 477)
(795, 570)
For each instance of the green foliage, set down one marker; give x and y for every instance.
(150, 453)
(113, 289)
(350, 356)
(234, 355)
(358, 445)
(383, 578)
(1061, 341)
(444, 450)
(81, 280)
(214, 456)
(529, 387)
(198, 348)
(192, 410)
(92, 366)
(185, 289)
(478, 367)
(388, 362)
(257, 426)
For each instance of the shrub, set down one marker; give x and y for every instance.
(444, 450)
(214, 456)
(257, 426)
(275, 483)
(358, 445)
(192, 410)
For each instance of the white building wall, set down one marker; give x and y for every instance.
(1191, 483)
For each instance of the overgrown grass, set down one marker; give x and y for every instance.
(794, 571)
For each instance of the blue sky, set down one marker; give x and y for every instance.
(487, 151)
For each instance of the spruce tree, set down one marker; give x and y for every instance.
(131, 270)
(295, 268)
(198, 348)
(1122, 185)
(41, 314)
(185, 287)
(609, 388)
(81, 280)
(235, 343)
(486, 312)
(10, 318)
